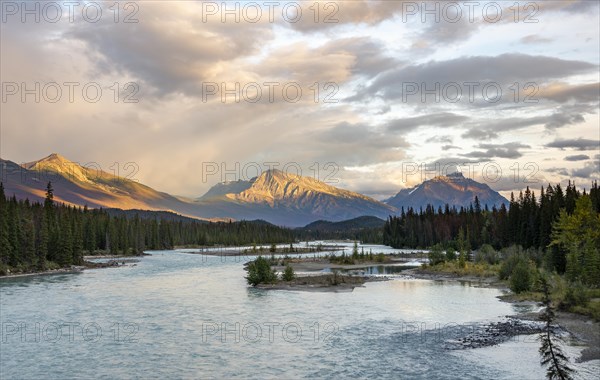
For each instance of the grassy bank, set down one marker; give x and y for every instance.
(568, 297)
(482, 270)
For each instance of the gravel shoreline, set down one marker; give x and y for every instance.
(583, 330)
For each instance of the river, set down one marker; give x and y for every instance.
(178, 315)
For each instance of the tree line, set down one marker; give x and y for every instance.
(546, 222)
(39, 236)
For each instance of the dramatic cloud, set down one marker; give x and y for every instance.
(508, 150)
(440, 139)
(449, 147)
(577, 157)
(171, 48)
(503, 70)
(446, 119)
(336, 61)
(358, 144)
(562, 93)
(588, 170)
(489, 129)
(368, 52)
(340, 13)
(578, 144)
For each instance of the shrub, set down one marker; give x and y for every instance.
(512, 256)
(450, 254)
(288, 274)
(436, 255)
(520, 279)
(486, 254)
(260, 272)
(462, 259)
(575, 296)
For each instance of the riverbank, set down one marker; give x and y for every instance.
(258, 251)
(425, 274)
(583, 330)
(113, 262)
(322, 264)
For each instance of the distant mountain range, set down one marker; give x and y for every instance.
(288, 199)
(274, 196)
(346, 225)
(453, 189)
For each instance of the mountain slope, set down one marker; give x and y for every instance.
(453, 189)
(293, 200)
(359, 223)
(77, 185)
(274, 196)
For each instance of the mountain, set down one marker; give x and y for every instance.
(224, 188)
(345, 225)
(453, 189)
(290, 199)
(156, 215)
(274, 196)
(77, 185)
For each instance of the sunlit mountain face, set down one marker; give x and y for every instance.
(275, 196)
(453, 189)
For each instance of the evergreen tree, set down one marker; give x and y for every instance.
(579, 235)
(5, 246)
(42, 245)
(552, 356)
(65, 250)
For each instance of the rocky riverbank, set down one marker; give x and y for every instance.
(583, 330)
(491, 334)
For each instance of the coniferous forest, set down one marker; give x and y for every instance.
(562, 226)
(36, 237)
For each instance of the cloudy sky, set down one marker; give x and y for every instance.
(372, 96)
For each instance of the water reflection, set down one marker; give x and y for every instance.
(375, 270)
(26, 281)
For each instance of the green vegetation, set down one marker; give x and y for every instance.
(557, 237)
(436, 255)
(528, 223)
(481, 270)
(37, 237)
(357, 257)
(487, 254)
(260, 272)
(520, 278)
(579, 235)
(450, 254)
(552, 356)
(288, 273)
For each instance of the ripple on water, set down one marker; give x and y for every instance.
(175, 300)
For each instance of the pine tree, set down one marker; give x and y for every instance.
(27, 238)
(77, 247)
(14, 232)
(5, 247)
(579, 235)
(461, 245)
(42, 245)
(65, 251)
(552, 356)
